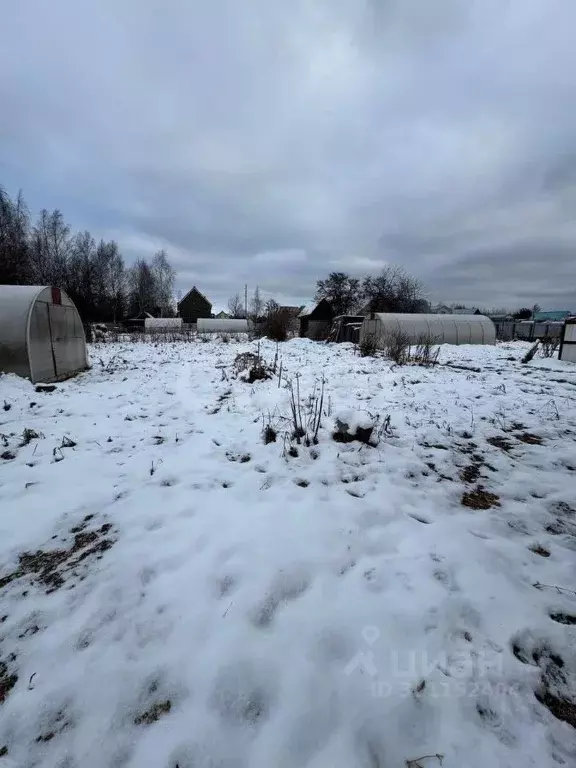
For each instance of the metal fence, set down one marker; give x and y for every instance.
(528, 330)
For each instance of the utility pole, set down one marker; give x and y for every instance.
(246, 300)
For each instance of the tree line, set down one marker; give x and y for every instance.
(393, 290)
(47, 252)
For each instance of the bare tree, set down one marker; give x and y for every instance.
(341, 290)
(116, 280)
(394, 290)
(256, 305)
(164, 274)
(142, 288)
(270, 307)
(14, 234)
(236, 306)
(50, 248)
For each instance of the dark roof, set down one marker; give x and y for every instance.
(142, 315)
(294, 311)
(198, 292)
(308, 309)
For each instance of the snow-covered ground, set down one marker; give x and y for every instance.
(175, 593)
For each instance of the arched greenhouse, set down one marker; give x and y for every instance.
(226, 325)
(41, 334)
(442, 329)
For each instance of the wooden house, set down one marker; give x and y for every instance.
(193, 306)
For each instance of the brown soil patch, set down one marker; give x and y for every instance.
(539, 550)
(59, 723)
(561, 528)
(156, 711)
(500, 442)
(480, 499)
(563, 618)
(470, 474)
(52, 567)
(563, 508)
(7, 681)
(562, 709)
(529, 438)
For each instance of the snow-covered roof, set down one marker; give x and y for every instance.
(308, 309)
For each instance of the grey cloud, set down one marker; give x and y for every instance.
(435, 135)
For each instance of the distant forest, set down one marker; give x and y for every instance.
(47, 252)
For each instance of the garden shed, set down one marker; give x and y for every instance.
(316, 319)
(152, 324)
(443, 329)
(41, 333)
(568, 341)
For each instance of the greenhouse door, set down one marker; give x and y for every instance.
(65, 347)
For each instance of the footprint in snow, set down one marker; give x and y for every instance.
(286, 586)
(243, 694)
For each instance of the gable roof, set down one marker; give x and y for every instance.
(198, 292)
(307, 309)
(142, 315)
(292, 311)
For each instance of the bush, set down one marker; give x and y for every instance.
(426, 352)
(397, 347)
(549, 346)
(277, 325)
(368, 345)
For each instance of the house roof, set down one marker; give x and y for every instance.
(198, 292)
(307, 309)
(557, 314)
(142, 315)
(465, 311)
(294, 311)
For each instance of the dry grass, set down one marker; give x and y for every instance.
(154, 713)
(480, 499)
(539, 550)
(470, 473)
(7, 681)
(562, 709)
(500, 442)
(563, 618)
(51, 567)
(529, 438)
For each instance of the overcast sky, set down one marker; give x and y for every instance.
(272, 141)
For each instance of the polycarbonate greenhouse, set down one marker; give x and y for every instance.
(442, 329)
(226, 325)
(41, 333)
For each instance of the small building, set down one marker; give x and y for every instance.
(162, 324)
(41, 333)
(568, 341)
(557, 315)
(137, 322)
(228, 325)
(441, 309)
(442, 329)
(346, 328)
(194, 306)
(316, 319)
(466, 311)
(222, 316)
